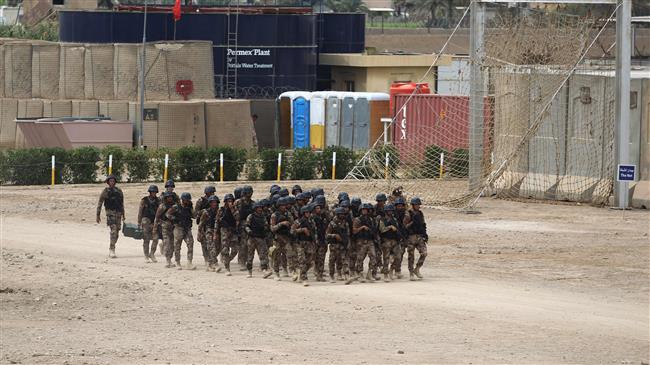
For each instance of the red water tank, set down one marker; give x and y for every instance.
(400, 88)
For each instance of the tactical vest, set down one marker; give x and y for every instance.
(113, 201)
(258, 225)
(366, 235)
(302, 236)
(201, 204)
(319, 222)
(183, 216)
(212, 218)
(163, 216)
(245, 209)
(379, 212)
(393, 235)
(418, 226)
(227, 219)
(340, 229)
(399, 216)
(282, 217)
(150, 208)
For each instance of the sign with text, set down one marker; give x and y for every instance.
(253, 59)
(626, 173)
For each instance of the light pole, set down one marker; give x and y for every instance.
(142, 75)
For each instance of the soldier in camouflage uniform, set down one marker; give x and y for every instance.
(201, 204)
(243, 208)
(112, 199)
(400, 213)
(169, 187)
(396, 194)
(226, 219)
(281, 222)
(257, 228)
(304, 230)
(181, 215)
(417, 237)
(338, 237)
(208, 223)
(364, 230)
(377, 214)
(163, 224)
(351, 249)
(321, 220)
(295, 190)
(390, 236)
(146, 216)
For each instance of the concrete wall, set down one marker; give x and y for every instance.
(377, 79)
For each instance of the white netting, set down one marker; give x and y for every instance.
(547, 122)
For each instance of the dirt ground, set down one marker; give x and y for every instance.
(517, 283)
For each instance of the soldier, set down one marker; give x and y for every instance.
(396, 193)
(378, 214)
(338, 237)
(355, 204)
(208, 224)
(281, 222)
(400, 213)
(202, 204)
(163, 224)
(296, 190)
(243, 207)
(321, 220)
(274, 190)
(364, 230)
(146, 216)
(351, 250)
(283, 192)
(417, 237)
(304, 230)
(390, 235)
(237, 192)
(257, 228)
(112, 199)
(227, 222)
(181, 215)
(341, 197)
(169, 187)
(301, 201)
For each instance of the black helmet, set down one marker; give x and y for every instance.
(389, 208)
(296, 188)
(343, 196)
(306, 209)
(210, 189)
(283, 192)
(275, 200)
(258, 204)
(307, 194)
(247, 189)
(355, 202)
(265, 202)
(381, 197)
(168, 194)
(153, 189)
(109, 177)
(170, 184)
(416, 201)
(320, 200)
(399, 201)
(213, 198)
(186, 196)
(367, 206)
(302, 196)
(291, 200)
(339, 211)
(228, 197)
(274, 189)
(283, 201)
(238, 191)
(344, 204)
(317, 191)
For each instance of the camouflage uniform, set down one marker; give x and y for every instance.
(200, 206)
(281, 239)
(257, 228)
(182, 216)
(379, 214)
(305, 244)
(365, 242)
(320, 221)
(417, 239)
(146, 217)
(390, 249)
(229, 237)
(401, 243)
(163, 224)
(243, 208)
(113, 201)
(208, 223)
(338, 249)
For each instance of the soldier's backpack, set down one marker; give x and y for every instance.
(132, 230)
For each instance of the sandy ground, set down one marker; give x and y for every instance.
(518, 283)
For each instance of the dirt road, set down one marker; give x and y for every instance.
(518, 283)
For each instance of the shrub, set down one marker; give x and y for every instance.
(118, 160)
(431, 163)
(253, 168)
(269, 161)
(191, 164)
(82, 165)
(379, 157)
(4, 167)
(345, 161)
(303, 164)
(234, 160)
(138, 163)
(33, 167)
(459, 163)
(158, 164)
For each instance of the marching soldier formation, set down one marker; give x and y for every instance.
(290, 233)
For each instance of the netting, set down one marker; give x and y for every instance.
(544, 128)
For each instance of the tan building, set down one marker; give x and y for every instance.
(376, 72)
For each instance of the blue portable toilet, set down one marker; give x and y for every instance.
(300, 121)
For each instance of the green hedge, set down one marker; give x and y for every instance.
(269, 163)
(191, 163)
(138, 164)
(431, 163)
(303, 165)
(234, 160)
(118, 161)
(82, 165)
(33, 167)
(345, 160)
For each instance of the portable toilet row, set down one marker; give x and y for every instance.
(332, 118)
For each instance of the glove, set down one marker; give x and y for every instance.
(426, 237)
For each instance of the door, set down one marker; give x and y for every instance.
(317, 122)
(333, 117)
(347, 125)
(300, 123)
(361, 124)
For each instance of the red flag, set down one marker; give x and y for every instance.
(177, 10)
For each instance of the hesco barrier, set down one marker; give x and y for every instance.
(18, 69)
(98, 69)
(45, 70)
(71, 74)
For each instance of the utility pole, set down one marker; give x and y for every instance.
(142, 75)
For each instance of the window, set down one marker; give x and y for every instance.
(349, 85)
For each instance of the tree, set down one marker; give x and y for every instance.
(346, 6)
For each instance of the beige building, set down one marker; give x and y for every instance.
(376, 72)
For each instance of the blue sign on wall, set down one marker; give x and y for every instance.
(626, 173)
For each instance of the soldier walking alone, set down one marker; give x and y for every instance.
(112, 199)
